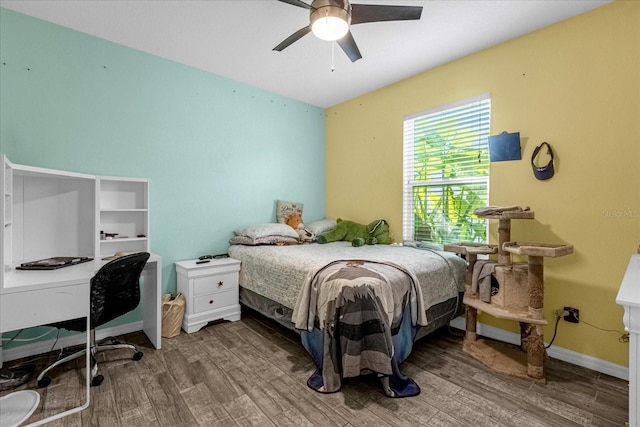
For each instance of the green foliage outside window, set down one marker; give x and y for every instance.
(451, 168)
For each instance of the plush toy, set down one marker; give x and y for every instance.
(358, 234)
(295, 221)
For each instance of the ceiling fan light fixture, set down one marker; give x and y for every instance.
(330, 22)
(330, 28)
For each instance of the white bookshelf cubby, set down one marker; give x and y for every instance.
(123, 211)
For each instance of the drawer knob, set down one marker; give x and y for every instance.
(210, 301)
(220, 283)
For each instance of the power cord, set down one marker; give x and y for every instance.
(15, 337)
(10, 340)
(454, 332)
(40, 357)
(555, 331)
(624, 337)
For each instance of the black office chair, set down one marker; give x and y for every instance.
(115, 290)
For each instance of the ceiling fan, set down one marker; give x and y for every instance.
(331, 19)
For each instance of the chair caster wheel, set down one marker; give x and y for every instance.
(138, 355)
(97, 380)
(45, 381)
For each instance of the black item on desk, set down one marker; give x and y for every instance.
(219, 256)
(115, 290)
(53, 263)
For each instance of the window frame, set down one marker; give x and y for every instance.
(483, 105)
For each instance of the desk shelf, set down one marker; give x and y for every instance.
(123, 240)
(123, 210)
(7, 173)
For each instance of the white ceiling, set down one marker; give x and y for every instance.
(235, 38)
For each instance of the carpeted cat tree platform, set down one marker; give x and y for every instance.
(507, 290)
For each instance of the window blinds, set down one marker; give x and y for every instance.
(446, 172)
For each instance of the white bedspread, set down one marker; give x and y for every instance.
(279, 272)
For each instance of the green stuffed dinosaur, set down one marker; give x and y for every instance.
(358, 234)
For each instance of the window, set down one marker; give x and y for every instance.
(446, 172)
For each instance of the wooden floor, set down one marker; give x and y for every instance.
(253, 373)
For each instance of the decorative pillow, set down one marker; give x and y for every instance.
(267, 240)
(285, 209)
(319, 227)
(267, 229)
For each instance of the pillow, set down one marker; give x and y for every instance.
(319, 227)
(267, 229)
(266, 240)
(285, 209)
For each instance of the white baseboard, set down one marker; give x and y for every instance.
(41, 347)
(554, 351)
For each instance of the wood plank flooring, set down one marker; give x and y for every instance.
(253, 373)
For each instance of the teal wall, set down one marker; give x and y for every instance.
(217, 153)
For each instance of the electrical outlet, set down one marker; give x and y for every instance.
(571, 315)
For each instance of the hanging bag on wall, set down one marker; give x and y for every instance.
(173, 307)
(542, 172)
(505, 146)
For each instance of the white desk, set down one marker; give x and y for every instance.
(28, 302)
(36, 297)
(33, 295)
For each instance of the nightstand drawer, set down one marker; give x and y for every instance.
(217, 283)
(214, 301)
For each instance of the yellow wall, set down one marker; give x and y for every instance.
(575, 84)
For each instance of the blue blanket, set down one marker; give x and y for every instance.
(360, 333)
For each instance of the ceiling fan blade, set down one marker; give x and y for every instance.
(361, 13)
(297, 3)
(348, 44)
(293, 38)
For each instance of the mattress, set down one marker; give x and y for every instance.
(279, 272)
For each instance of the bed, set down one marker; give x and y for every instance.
(358, 310)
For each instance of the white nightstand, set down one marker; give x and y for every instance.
(211, 291)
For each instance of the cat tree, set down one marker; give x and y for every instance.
(519, 297)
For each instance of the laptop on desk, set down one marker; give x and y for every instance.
(53, 263)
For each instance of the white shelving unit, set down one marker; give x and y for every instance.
(7, 213)
(48, 213)
(123, 210)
